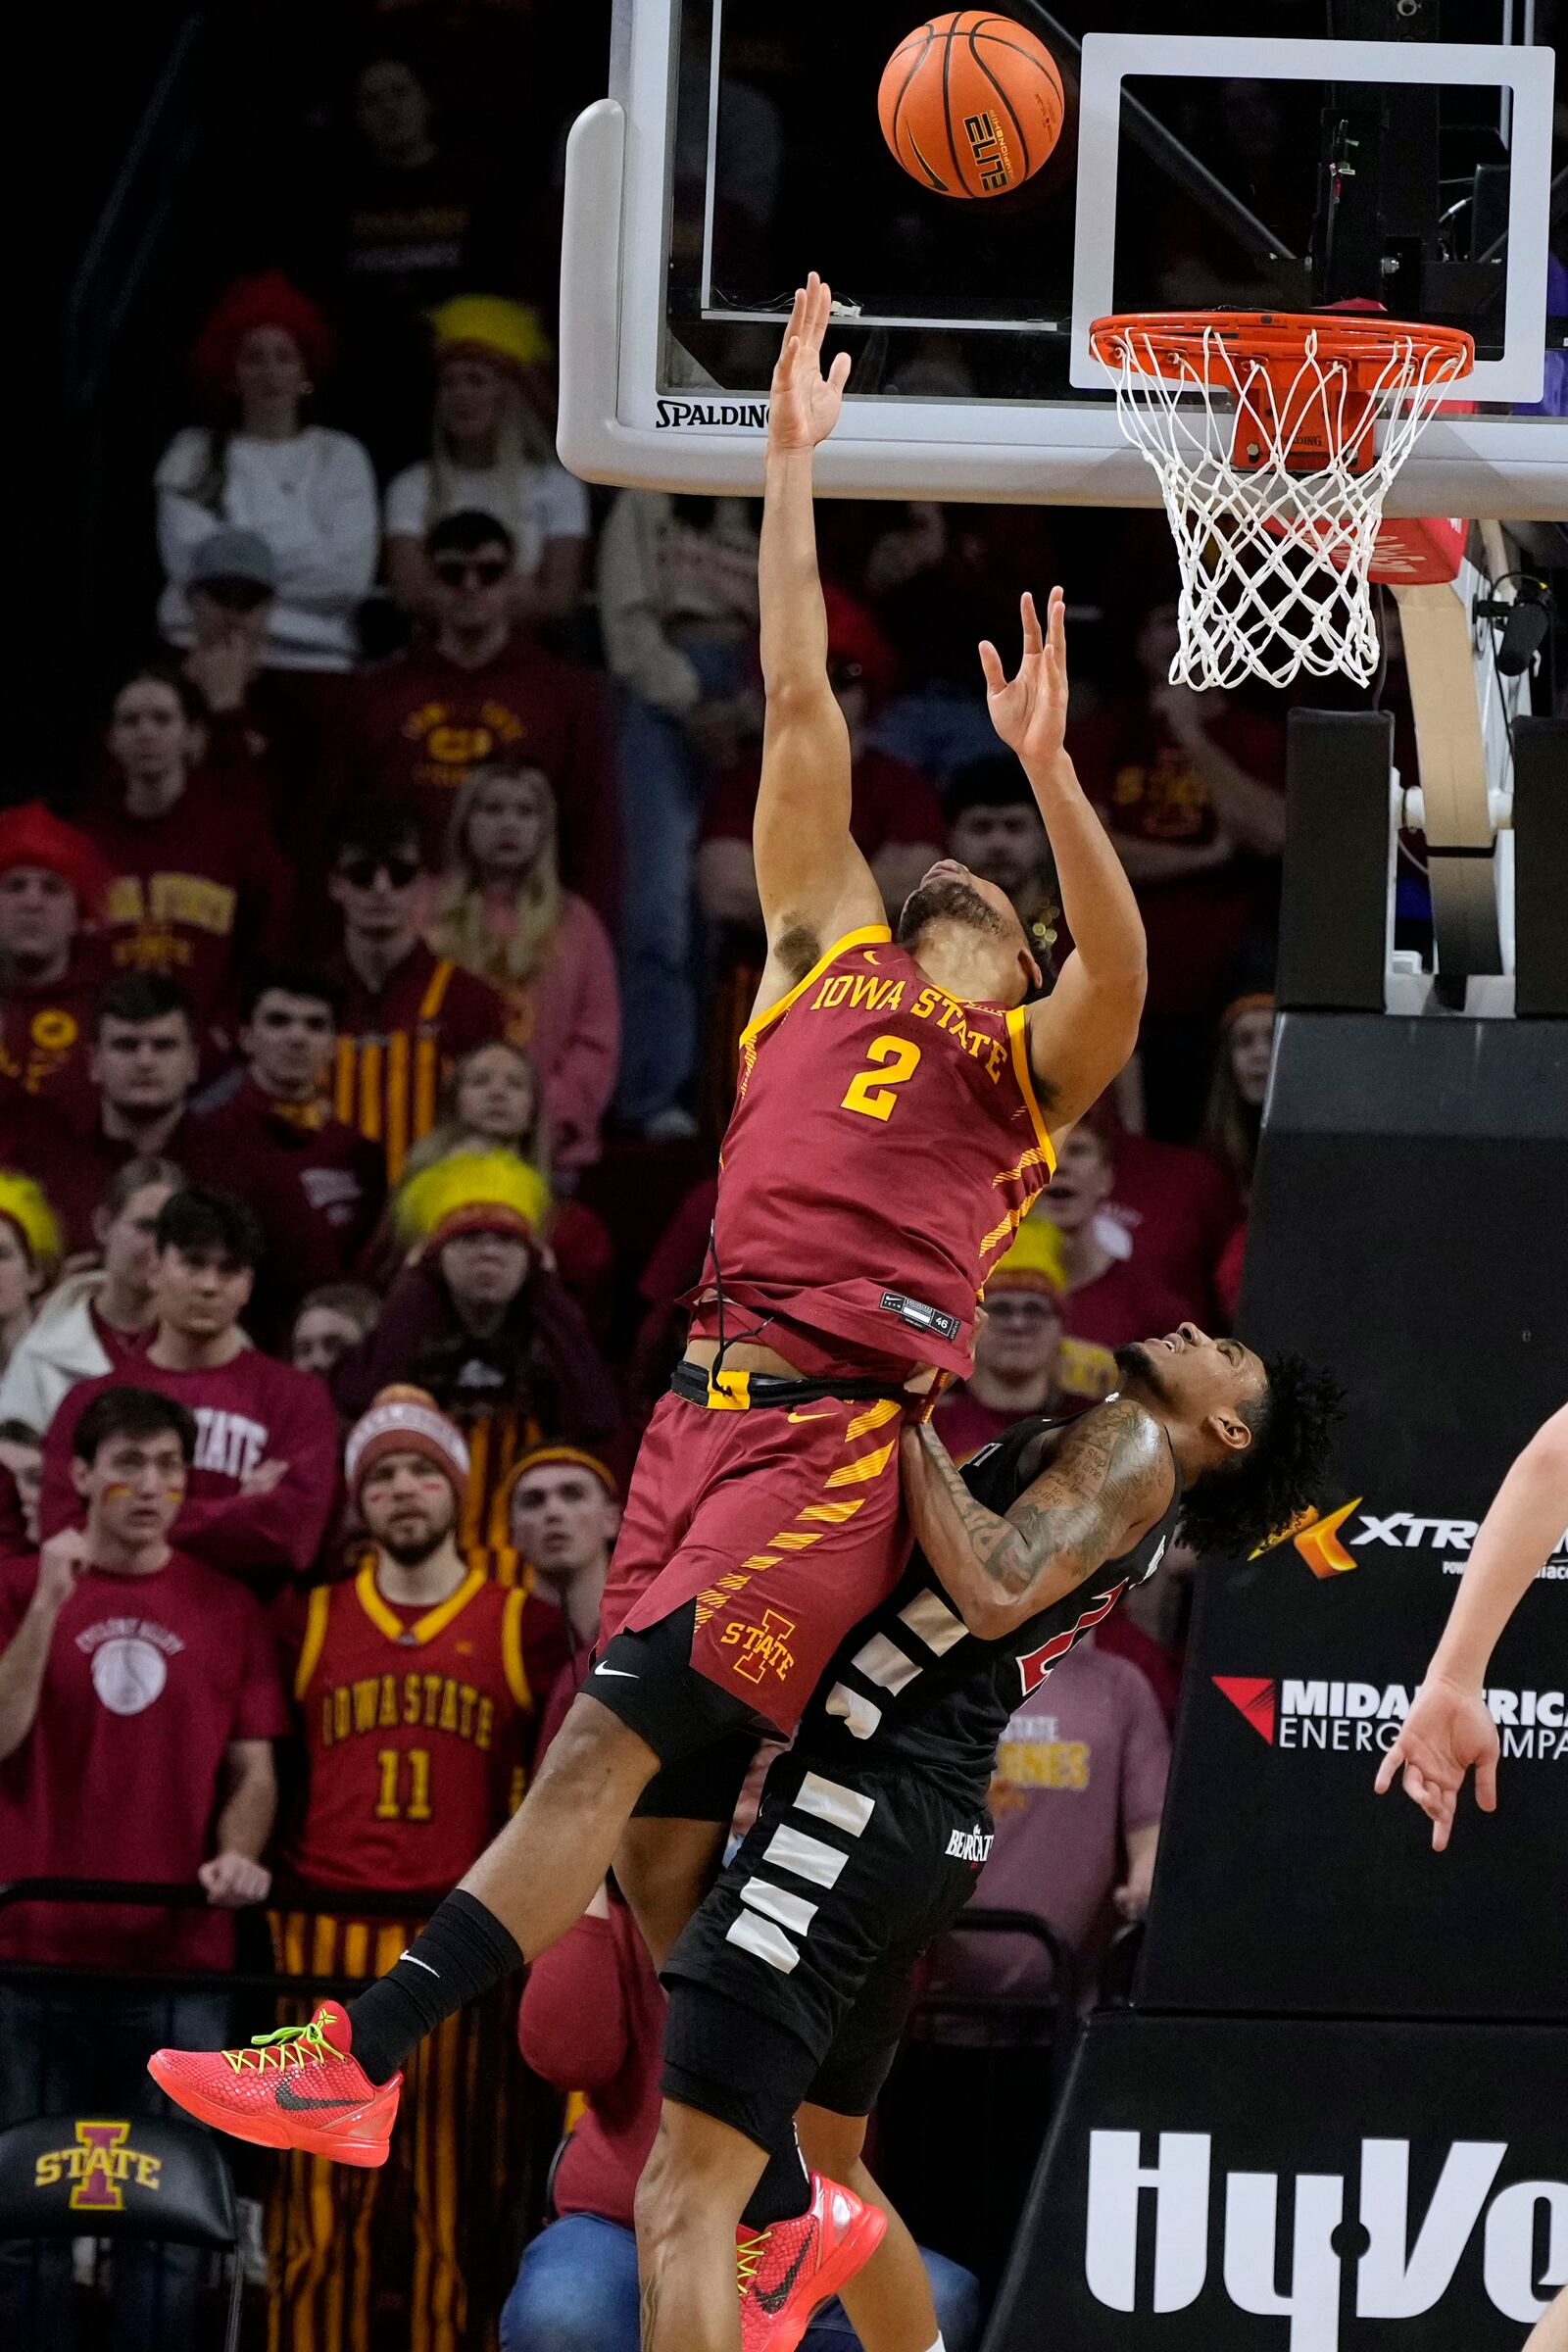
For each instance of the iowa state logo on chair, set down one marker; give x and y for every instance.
(98, 2164)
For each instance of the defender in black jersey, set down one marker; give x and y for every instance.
(791, 1987)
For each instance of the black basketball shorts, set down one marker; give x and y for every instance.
(795, 1980)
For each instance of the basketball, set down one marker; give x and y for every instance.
(971, 104)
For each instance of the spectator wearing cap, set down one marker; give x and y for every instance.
(30, 1255)
(400, 1797)
(502, 913)
(561, 1509)
(677, 605)
(315, 1184)
(994, 828)
(264, 1480)
(1110, 1300)
(1017, 1348)
(260, 718)
(197, 888)
(492, 450)
(310, 493)
(407, 1015)
(482, 689)
(101, 1320)
(52, 884)
(483, 1321)
(141, 1069)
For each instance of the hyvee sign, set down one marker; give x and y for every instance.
(1219, 2185)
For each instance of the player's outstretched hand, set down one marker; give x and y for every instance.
(1029, 712)
(1447, 1732)
(805, 403)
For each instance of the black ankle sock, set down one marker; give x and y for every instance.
(463, 1952)
(783, 2193)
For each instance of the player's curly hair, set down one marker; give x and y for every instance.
(1235, 1509)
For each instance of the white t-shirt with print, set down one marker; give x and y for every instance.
(536, 503)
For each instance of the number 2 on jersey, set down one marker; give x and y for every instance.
(871, 1092)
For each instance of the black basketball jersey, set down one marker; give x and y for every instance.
(911, 1685)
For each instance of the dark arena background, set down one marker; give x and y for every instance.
(376, 855)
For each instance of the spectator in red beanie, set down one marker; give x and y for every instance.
(310, 493)
(416, 728)
(53, 885)
(197, 888)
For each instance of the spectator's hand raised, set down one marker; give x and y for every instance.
(232, 1881)
(1029, 712)
(805, 404)
(1447, 1732)
(60, 1566)
(264, 1478)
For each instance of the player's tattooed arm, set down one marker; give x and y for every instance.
(1110, 1481)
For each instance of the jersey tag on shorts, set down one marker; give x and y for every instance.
(730, 1392)
(919, 1316)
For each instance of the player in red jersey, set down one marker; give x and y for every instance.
(897, 1115)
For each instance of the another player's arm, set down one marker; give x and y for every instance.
(813, 883)
(1110, 1481)
(1083, 1032)
(1450, 1730)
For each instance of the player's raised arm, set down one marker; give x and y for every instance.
(813, 883)
(1082, 1034)
(1450, 1731)
(1110, 1481)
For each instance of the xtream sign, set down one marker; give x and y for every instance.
(1206, 2222)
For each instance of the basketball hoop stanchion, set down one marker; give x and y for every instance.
(1276, 439)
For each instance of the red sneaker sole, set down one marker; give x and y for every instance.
(852, 2252)
(267, 2131)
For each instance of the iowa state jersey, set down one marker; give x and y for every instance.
(912, 1687)
(416, 1729)
(885, 1145)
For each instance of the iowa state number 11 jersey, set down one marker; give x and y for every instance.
(912, 1687)
(886, 1142)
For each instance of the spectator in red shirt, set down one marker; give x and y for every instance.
(1191, 789)
(996, 830)
(101, 1320)
(1110, 1300)
(52, 889)
(1018, 1346)
(563, 1510)
(592, 2020)
(314, 1183)
(1077, 1796)
(263, 1483)
(504, 916)
(142, 1068)
(1171, 1206)
(483, 690)
(407, 1015)
(197, 889)
(330, 1321)
(139, 1699)
(22, 1463)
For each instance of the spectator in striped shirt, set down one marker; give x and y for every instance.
(408, 1015)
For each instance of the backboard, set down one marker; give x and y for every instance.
(1278, 154)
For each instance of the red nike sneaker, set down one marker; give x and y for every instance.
(291, 2090)
(786, 2272)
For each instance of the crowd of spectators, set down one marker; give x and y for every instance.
(367, 1020)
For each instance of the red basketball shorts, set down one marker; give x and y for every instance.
(785, 1527)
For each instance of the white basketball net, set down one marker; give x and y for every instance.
(1274, 564)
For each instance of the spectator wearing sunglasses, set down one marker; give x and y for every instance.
(408, 1015)
(482, 690)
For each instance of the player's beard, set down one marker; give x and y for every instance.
(950, 900)
(1139, 1370)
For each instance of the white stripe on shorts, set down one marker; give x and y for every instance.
(806, 1857)
(767, 1942)
(792, 1911)
(931, 1621)
(843, 1808)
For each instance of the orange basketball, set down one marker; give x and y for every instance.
(971, 104)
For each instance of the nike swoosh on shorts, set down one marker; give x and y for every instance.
(624, 1672)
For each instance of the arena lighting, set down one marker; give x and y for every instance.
(1526, 619)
